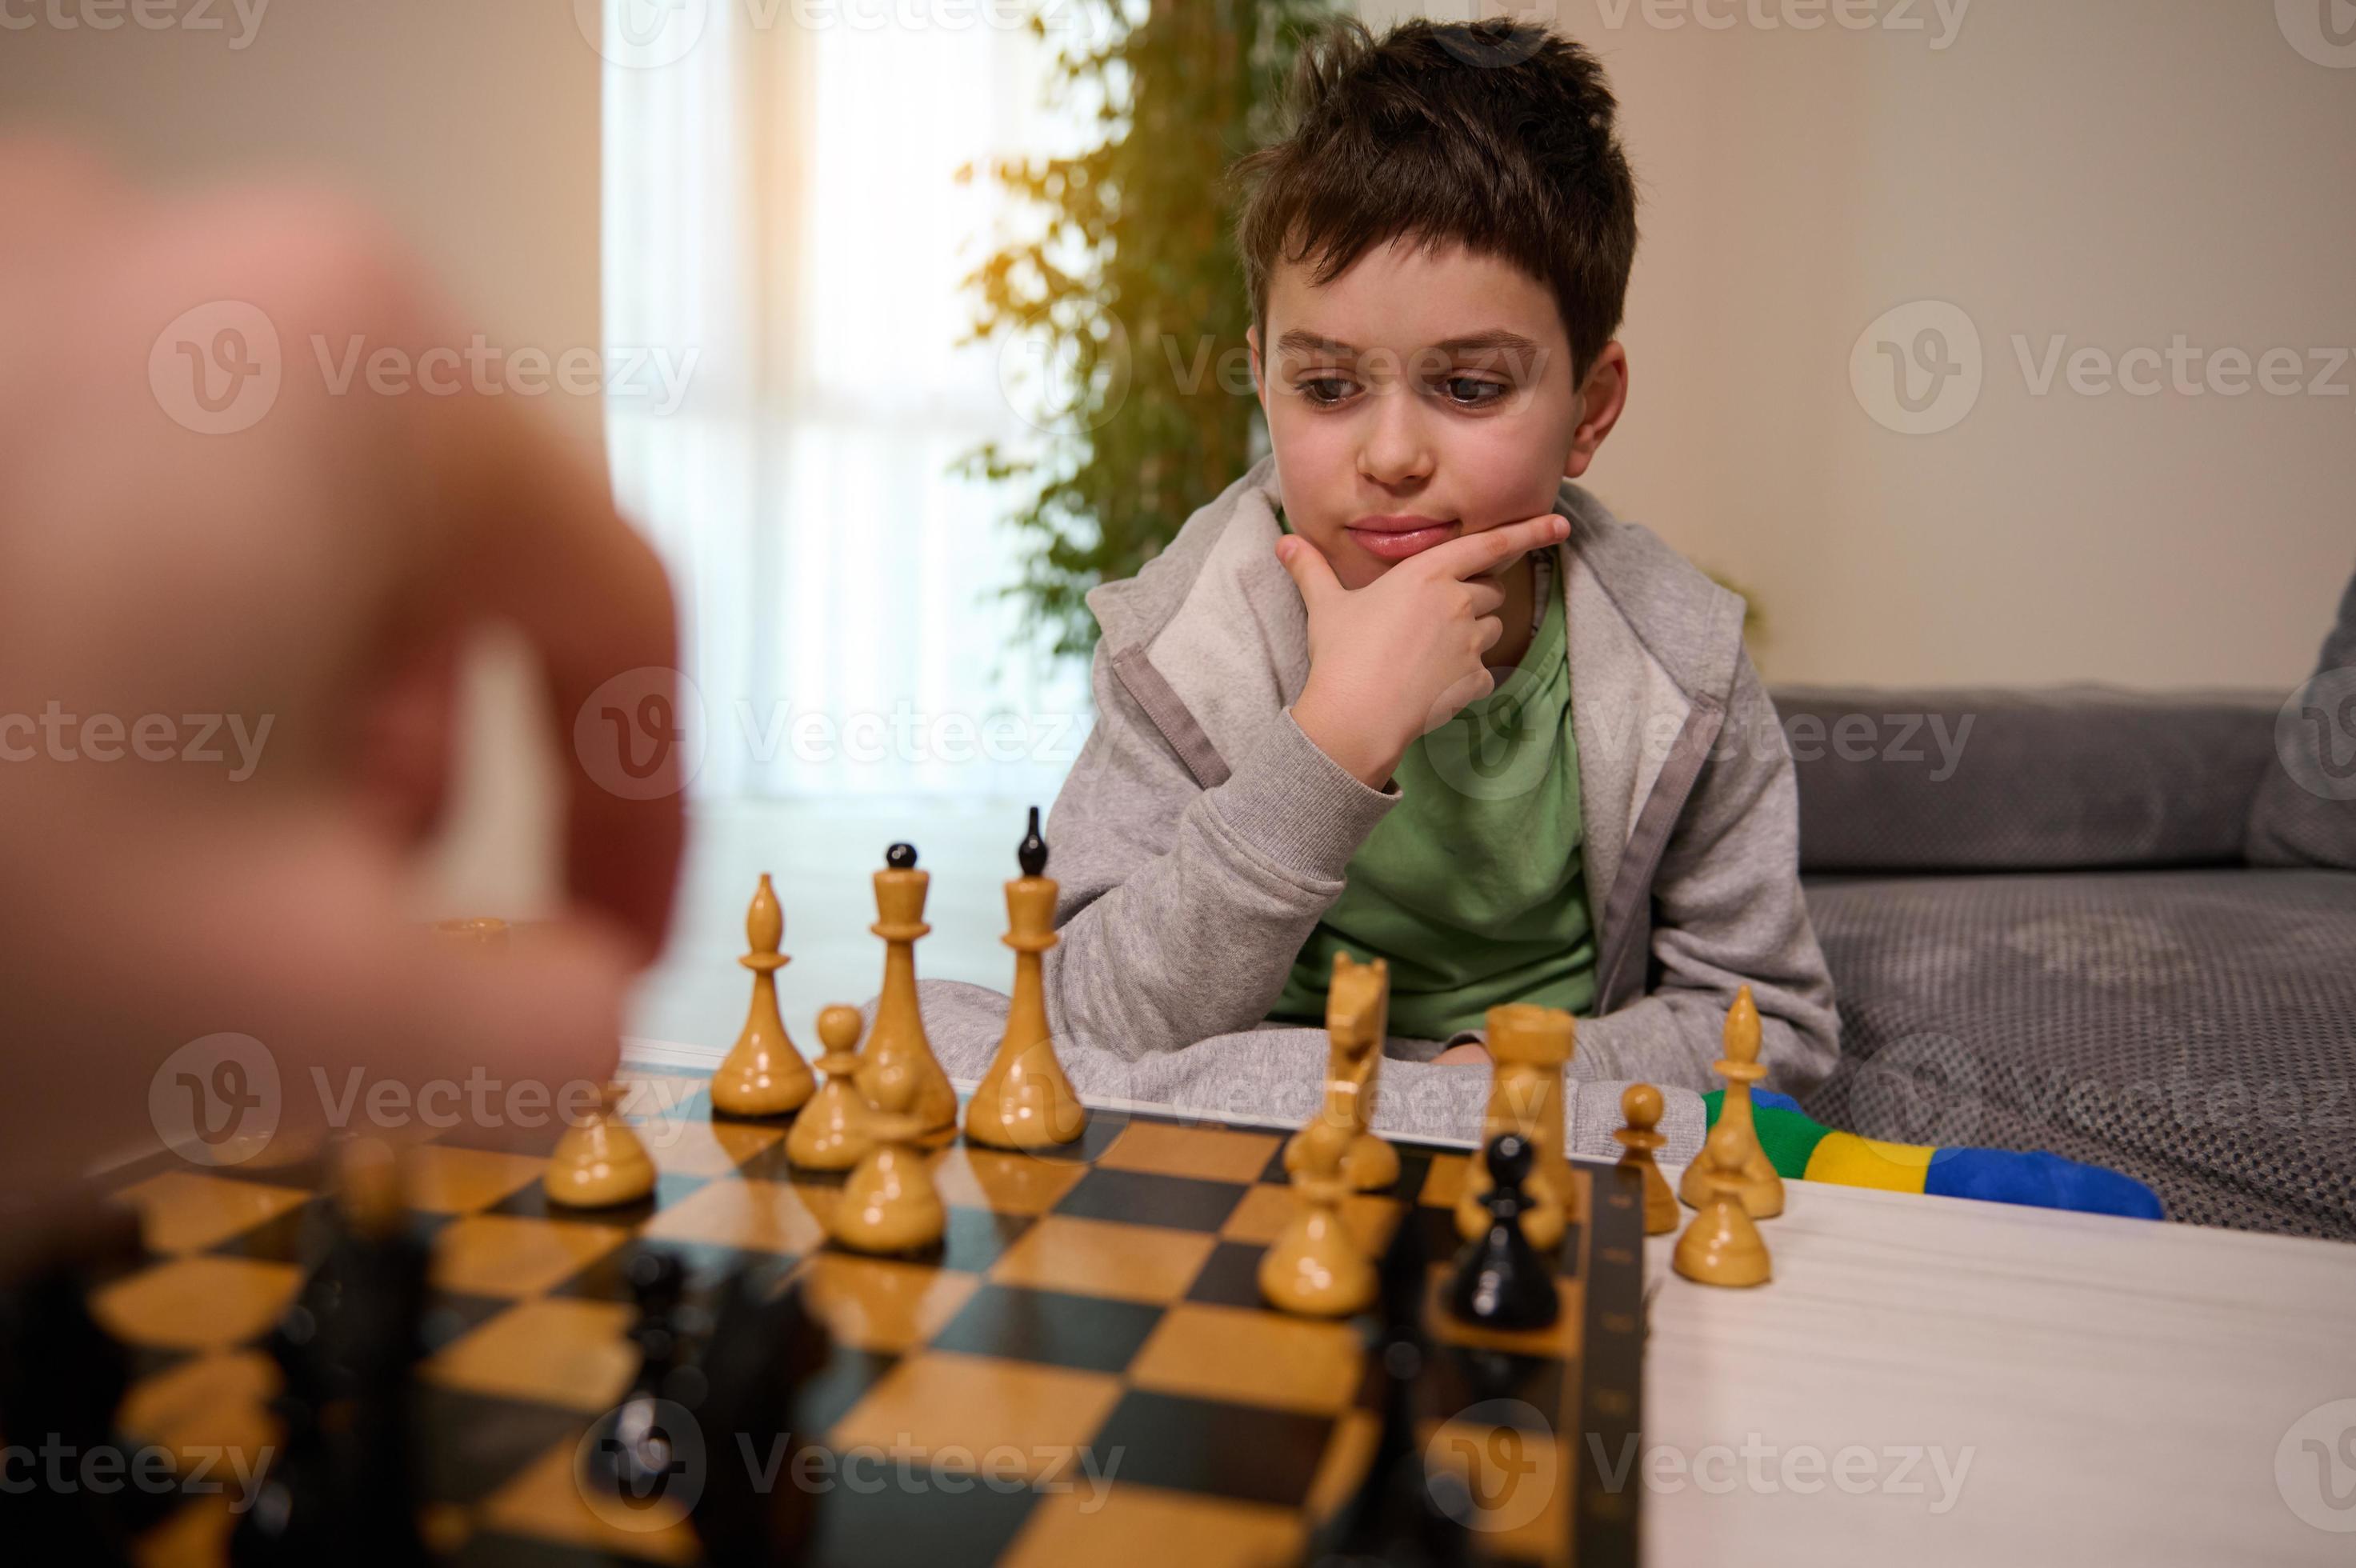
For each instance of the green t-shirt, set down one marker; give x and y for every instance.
(1473, 887)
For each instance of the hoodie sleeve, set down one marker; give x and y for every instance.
(1182, 909)
(1727, 912)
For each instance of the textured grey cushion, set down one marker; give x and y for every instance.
(2305, 809)
(2067, 778)
(2195, 1029)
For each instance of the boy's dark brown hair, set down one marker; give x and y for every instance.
(1496, 134)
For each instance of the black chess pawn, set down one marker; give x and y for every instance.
(1502, 1282)
(295, 1517)
(1403, 1515)
(764, 1348)
(61, 1376)
(633, 1453)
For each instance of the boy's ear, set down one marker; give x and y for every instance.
(1251, 342)
(1602, 397)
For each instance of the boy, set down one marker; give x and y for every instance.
(1404, 688)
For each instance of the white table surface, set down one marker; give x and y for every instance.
(2102, 1391)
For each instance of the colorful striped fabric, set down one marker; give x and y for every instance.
(1808, 1151)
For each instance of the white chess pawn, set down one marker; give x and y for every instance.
(888, 1203)
(830, 1133)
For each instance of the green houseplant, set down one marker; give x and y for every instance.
(1129, 297)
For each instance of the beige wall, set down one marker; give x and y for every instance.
(2116, 172)
(2113, 171)
(472, 123)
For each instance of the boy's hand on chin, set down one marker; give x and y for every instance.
(1402, 655)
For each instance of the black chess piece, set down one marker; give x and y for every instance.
(633, 1454)
(342, 1484)
(744, 1397)
(62, 1376)
(1401, 1515)
(294, 1517)
(1501, 1281)
(1032, 852)
(901, 857)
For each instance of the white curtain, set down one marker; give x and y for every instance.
(780, 203)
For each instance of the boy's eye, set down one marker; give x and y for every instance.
(1324, 391)
(1471, 392)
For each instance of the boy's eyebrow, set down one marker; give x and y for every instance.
(1495, 339)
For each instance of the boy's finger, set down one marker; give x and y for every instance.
(1310, 569)
(1491, 548)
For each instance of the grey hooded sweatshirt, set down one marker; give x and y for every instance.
(1201, 834)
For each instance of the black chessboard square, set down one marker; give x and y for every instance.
(451, 1315)
(860, 1525)
(530, 1202)
(1441, 1241)
(827, 1396)
(1229, 1277)
(1226, 1450)
(479, 1443)
(1103, 1127)
(498, 1549)
(1089, 1333)
(706, 1266)
(1142, 1197)
(303, 1234)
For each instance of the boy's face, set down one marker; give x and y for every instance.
(1419, 397)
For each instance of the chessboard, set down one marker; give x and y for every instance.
(1084, 1370)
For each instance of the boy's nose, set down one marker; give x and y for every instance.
(1397, 453)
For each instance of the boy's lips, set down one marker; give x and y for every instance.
(1397, 538)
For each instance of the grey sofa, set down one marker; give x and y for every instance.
(2113, 926)
(2104, 924)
